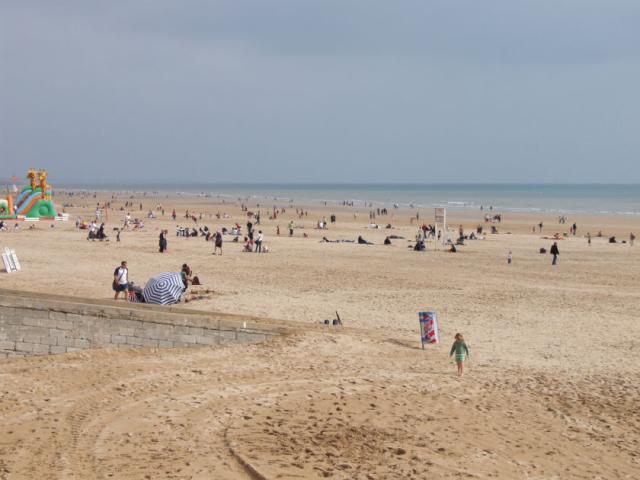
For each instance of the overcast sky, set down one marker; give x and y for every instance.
(321, 91)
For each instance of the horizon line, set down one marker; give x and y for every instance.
(346, 184)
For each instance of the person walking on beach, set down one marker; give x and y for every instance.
(555, 252)
(121, 280)
(163, 241)
(540, 225)
(291, 228)
(589, 238)
(509, 258)
(259, 240)
(459, 348)
(250, 230)
(632, 238)
(218, 243)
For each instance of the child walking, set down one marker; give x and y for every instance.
(461, 351)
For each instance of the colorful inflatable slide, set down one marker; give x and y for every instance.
(33, 201)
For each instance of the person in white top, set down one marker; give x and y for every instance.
(121, 280)
(259, 240)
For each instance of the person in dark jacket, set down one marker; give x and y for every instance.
(555, 252)
(162, 243)
(218, 242)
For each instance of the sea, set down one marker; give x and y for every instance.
(595, 199)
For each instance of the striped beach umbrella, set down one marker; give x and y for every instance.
(163, 289)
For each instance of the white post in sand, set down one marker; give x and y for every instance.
(441, 217)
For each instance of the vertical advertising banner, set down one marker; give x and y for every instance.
(429, 329)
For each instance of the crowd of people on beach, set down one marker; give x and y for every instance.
(122, 283)
(254, 238)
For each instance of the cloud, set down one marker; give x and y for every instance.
(331, 90)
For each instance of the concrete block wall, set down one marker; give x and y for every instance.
(30, 325)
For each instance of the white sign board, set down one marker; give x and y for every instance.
(10, 261)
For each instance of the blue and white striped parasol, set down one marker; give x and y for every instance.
(163, 289)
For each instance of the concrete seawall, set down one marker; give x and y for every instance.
(33, 324)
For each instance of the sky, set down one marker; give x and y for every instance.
(263, 91)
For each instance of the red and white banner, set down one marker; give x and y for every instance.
(429, 328)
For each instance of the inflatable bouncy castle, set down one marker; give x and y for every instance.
(33, 201)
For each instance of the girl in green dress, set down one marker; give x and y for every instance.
(461, 351)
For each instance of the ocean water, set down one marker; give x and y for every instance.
(561, 199)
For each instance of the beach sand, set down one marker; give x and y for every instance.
(552, 388)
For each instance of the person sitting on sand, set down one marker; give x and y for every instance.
(461, 351)
(452, 249)
(101, 235)
(248, 245)
(387, 241)
(135, 294)
(185, 274)
(362, 241)
(419, 247)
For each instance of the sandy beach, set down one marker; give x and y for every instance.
(551, 391)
